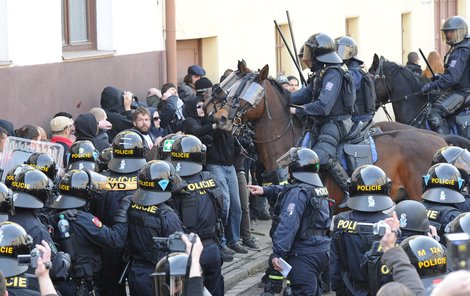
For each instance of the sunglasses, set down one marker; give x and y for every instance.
(156, 118)
(199, 106)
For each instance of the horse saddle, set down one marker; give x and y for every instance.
(357, 148)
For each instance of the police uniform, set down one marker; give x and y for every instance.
(23, 285)
(456, 77)
(301, 237)
(199, 206)
(87, 235)
(149, 217)
(369, 188)
(329, 101)
(442, 185)
(128, 158)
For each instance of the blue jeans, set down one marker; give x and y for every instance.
(232, 212)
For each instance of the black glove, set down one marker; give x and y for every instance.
(121, 213)
(435, 77)
(428, 87)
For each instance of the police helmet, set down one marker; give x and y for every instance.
(82, 155)
(164, 147)
(14, 241)
(442, 184)
(128, 152)
(427, 255)
(105, 156)
(7, 205)
(43, 162)
(188, 155)
(322, 48)
(154, 183)
(10, 176)
(456, 24)
(369, 189)
(31, 189)
(461, 223)
(346, 47)
(76, 188)
(413, 216)
(170, 274)
(454, 155)
(303, 165)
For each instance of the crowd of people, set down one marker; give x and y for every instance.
(158, 194)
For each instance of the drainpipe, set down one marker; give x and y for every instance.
(170, 43)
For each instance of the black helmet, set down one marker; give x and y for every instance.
(76, 188)
(461, 223)
(346, 47)
(442, 184)
(7, 205)
(170, 274)
(188, 155)
(164, 147)
(31, 189)
(413, 216)
(105, 156)
(154, 182)
(427, 255)
(322, 48)
(10, 176)
(369, 188)
(128, 152)
(303, 164)
(43, 162)
(82, 155)
(14, 241)
(457, 156)
(457, 24)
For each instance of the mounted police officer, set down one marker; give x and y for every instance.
(150, 217)
(460, 158)
(304, 217)
(199, 206)
(369, 188)
(456, 79)
(327, 102)
(364, 109)
(128, 151)
(442, 191)
(86, 235)
(32, 189)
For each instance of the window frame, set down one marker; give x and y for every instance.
(91, 27)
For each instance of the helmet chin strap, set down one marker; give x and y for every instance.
(316, 65)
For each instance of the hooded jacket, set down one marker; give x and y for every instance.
(112, 101)
(86, 128)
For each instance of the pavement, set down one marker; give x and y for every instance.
(244, 266)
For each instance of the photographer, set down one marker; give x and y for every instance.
(42, 271)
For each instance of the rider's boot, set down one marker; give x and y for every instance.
(336, 171)
(438, 124)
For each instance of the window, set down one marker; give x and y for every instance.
(78, 24)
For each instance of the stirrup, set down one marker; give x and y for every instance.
(344, 202)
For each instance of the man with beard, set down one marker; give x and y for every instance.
(141, 122)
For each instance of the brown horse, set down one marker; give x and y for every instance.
(404, 155)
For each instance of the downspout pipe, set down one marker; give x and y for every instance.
(170, 42)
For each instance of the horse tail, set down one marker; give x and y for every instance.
(454, 140)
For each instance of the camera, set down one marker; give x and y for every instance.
(378, 228)
(172, 243)
(458, 251)
(31, 259)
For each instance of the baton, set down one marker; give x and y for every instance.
(290, 53)
(292, 37)
(427, 63)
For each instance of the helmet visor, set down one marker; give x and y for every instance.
(287, 158)
(463, 161)
(453, 36)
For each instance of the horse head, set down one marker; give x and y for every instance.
(382, 89)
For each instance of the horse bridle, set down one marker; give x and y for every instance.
(379, 76)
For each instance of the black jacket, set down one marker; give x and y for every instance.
(112, 102)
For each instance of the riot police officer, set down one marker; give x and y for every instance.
(328, 103)
(86, 235)
(369, 188)
(364, 108)
(45, 163)
(413, 217)
(7, 205)
(13, 242)
(82, 155)
(128, 150)
(442, 187)
(456, 78)
(199, 206)
(460, 158)
(149, 217)
(301, 237)
(32, 189)
(461, 223)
